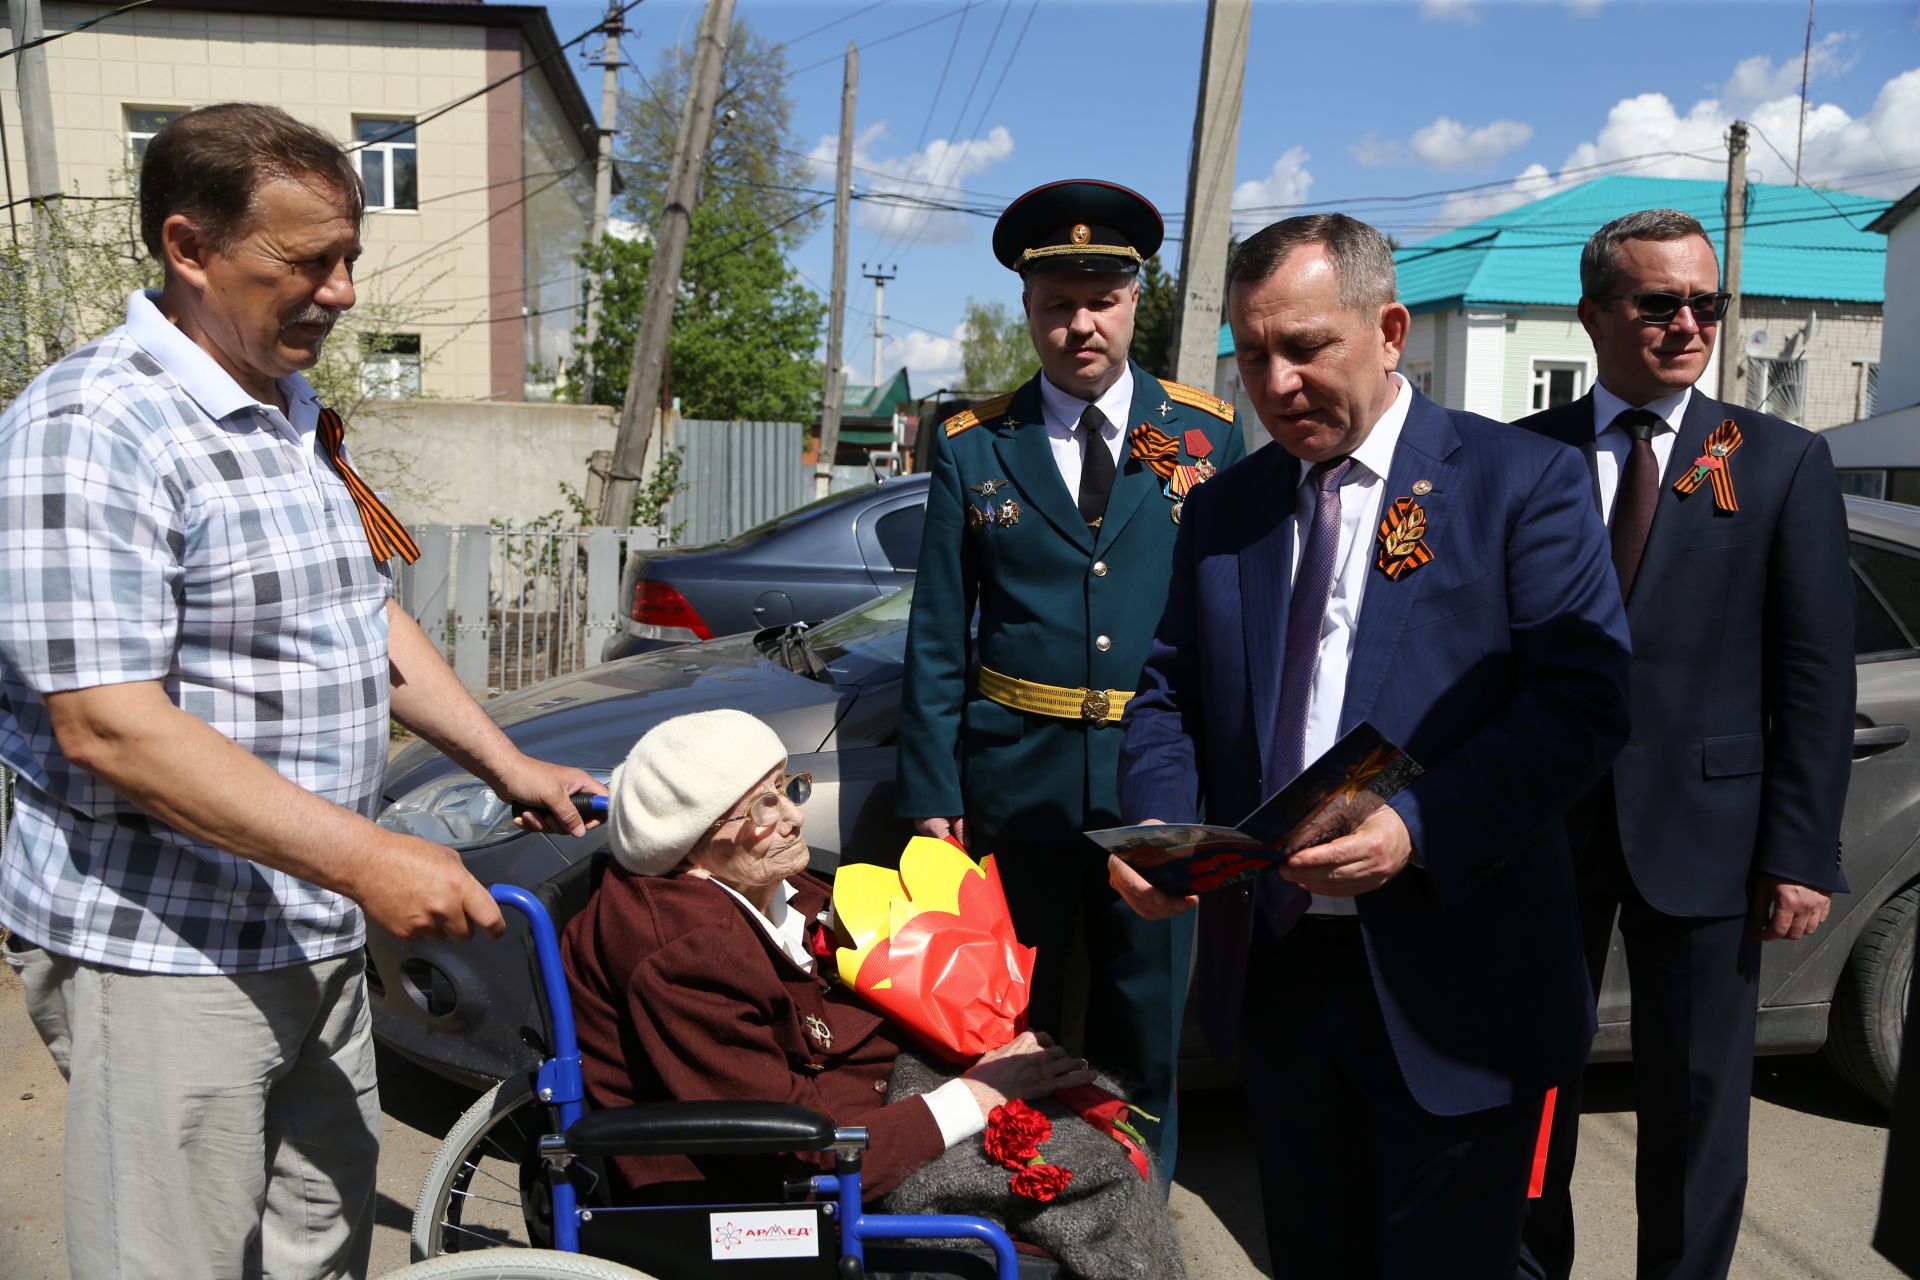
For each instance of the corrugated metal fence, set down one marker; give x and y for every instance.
(737, 475)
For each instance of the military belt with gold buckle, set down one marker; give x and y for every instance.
(1092, 706)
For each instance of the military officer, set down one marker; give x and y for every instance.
(1053, 510)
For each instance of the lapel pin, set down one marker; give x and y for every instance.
(1165, 408)
(1716, 463)
(987, 488)
(1421, 488)
(1403, 539)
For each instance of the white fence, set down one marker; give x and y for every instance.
(513, 607)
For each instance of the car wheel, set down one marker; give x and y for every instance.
(1870, 1003)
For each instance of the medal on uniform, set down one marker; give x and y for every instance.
(1007, 514)
(818, 1029)
(1715, 464)
(987, 488)
(1155, 449)
(976, 519)
(1198, 446)
(1403, 539)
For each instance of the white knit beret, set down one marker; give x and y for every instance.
(681, 778)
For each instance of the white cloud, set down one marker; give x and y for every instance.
(932, 360)
(1445, 144)
(1372, 150)
(1840, 148)
(1759, 80)
(1450, 10)
(1287, 184)
(933, 173)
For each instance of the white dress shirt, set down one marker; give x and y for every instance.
(1062, 413)
(1611, 445)
(955, 1110)
(1361, 492)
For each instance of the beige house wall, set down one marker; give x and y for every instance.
(435, 271)
(1838, 340)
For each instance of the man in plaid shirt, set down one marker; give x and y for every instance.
(199, 652)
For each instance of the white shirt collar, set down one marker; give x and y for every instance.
(1608, 406)
(787, 927)
(1376, 451)
(1064, 410)
(200, 375)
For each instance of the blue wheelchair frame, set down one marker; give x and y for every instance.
(561, 1085)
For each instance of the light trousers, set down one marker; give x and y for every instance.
(221, 1126)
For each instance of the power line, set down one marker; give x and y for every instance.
(834, 22)
(883, 39)
(933, 103)
(75, 29)
(508, 208)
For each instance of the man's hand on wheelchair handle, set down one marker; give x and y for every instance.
(414, 888)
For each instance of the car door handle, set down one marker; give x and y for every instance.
(1874, 738)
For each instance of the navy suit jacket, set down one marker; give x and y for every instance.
(1743, 681)
(1501, 666)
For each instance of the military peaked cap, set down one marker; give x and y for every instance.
(1077, 225)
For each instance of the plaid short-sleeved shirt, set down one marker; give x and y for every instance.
(156, 523)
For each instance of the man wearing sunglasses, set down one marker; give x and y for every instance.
(1718, 828)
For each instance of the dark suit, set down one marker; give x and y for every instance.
(1501, 667)
(1743, 698)
(1065, 606)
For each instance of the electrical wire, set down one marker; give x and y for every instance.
(75, 29)
(871, 44)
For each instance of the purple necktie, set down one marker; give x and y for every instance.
(1638, 498)
(1278, 903)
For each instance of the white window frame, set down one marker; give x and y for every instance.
(138, 138)
(1540, 385)
(388, 151)
(391, 374)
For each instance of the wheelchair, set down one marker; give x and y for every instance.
(518, 1189)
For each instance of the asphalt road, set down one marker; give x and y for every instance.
(1815, 1183)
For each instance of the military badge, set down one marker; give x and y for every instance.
(987, 488)
(1715, 463)
(1198, 446)
(976, 519)
(1403, 539)
(818, 1029)
(1007, 514)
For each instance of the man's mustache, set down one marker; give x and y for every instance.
(315, 315)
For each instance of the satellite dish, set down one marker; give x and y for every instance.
(1756, 341)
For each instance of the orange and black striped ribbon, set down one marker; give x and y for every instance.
(385, 534)
(1158, 450)
(1716, 462)
(1403, 532)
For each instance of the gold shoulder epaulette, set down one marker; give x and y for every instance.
(1205, 401)
(982, 412)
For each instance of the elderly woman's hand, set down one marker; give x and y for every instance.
(1029, 1066)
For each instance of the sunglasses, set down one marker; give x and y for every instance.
(764, 810)
(1662, 308)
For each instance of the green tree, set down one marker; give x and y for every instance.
(1153, 320)
(996, 351)
(744, 327)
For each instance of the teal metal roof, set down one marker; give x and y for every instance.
(858, 400)
(1800, 243)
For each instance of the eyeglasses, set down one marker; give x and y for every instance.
(1663, 308)
(764, 810)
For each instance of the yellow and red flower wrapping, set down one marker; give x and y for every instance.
(933, 948)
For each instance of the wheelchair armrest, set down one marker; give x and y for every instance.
(701, 1129)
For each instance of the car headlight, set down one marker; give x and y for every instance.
(457, 810)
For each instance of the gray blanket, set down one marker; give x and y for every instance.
(1108, 1224)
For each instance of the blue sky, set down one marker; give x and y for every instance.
(1378, 109)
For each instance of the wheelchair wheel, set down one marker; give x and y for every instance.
(519, 1264)
(484, 1189)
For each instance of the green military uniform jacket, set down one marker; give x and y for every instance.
(1060, 604)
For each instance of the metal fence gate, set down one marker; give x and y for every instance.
(737, 475)
(513, 607)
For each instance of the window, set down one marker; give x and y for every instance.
(390, 366)
(1774, 386)
(898, 533)
(143, 123)
(1894, 577)
(1557, 382)
(389, 163)
(1421, 376)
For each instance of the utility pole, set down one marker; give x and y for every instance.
(603, 174)
(879, 308)
(1209, 222)
(43, 159)
(669, 255)
(1733, 364)
(1806, 65)
(837, 292)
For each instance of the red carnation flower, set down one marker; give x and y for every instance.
(1041, 1182)
(1015, 1132)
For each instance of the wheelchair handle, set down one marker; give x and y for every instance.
(590, 806)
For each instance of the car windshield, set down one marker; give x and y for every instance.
(781, 521)
(868, 645)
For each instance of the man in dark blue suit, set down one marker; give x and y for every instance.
(1719, 826)
(1402, 996)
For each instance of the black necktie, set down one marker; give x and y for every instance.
(1096, 466)
(1637, 497)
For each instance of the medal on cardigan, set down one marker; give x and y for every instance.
(1714, 464)
(1403, 534)
(818, 1029)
